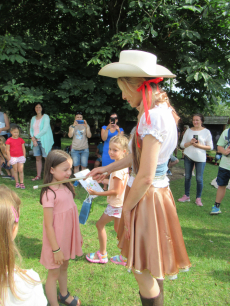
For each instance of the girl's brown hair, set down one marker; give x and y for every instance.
(9, 209)
(130, 85)
(54, 158)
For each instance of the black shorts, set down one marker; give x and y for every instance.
(223, 177)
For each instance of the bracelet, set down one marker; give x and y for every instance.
(58, 250)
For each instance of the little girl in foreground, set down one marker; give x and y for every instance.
(16, 153)
(17, 286)
(118, 148)
(61, 233)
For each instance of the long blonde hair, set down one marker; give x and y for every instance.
(130, 85)
(9, 209)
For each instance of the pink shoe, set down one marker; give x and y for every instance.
(118, 259)
(184, 199)
(198, 202)
(101, 258)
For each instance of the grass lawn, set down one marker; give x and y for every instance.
(207, 239)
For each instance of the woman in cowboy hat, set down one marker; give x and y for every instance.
(149, 234)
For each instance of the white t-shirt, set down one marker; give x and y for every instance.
(31, 294)
(163, 128)
(204, 138)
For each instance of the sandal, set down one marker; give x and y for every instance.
(101, 258)
(22, 186)
(118, 259)
(37, 178)
(63, 299)
(17, 185)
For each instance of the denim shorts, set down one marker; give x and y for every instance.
(223, 177)
(80, 157)
(5, 166)
(39, 150)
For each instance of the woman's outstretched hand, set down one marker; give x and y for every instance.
(98, 174)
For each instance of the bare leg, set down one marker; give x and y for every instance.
(76, 169)
(101, 231)
(8, 172)
(15, 168)
(62, 280)
(39, 165)
(220, 193)
(147, 284)
(51, 286)
(116, 224)
(20, 172)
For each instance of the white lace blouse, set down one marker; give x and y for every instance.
(163, 128)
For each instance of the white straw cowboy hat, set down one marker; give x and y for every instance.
(135, 63)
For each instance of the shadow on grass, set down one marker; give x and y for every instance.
(207, 243)
(221, 275)
(29, 247)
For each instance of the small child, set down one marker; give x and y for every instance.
(99, 152)
(118, 148)
(16, 154)
(4, 162)
(17, 286)
(62, 238)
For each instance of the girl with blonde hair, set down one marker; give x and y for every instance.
(17, 286)
(118, 149)
(149, 232)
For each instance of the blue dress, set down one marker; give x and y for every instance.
(106, 160)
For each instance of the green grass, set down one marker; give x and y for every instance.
(207, 239)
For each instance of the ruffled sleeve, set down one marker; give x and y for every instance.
(157, 127)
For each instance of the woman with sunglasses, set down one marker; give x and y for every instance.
(107, 132)
(80, 131)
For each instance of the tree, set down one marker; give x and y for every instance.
(51, 51)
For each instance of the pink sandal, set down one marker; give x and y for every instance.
(17, 185)
(37, 178)
(118, 260)
(101, 258)
(22, 186)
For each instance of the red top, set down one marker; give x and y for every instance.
(15, 146)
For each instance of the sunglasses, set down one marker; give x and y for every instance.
(78, 113)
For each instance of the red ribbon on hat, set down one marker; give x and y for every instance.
(146, 106)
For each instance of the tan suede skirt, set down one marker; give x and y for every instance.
(156, 242)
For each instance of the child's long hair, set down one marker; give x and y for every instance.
(122, 140)
(9, 209)
(2, 143)
(130, 85)
(2, 140)
(54, 158)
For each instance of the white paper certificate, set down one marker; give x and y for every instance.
(89, 182)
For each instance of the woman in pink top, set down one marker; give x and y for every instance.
(62, 238)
